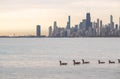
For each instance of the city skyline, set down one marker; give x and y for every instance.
(20, 17)
(86, 28)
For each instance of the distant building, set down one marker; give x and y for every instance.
(55, 25)
(119, 23)
(101, 27)
(68, 23)
(55, 29)
(101, 24)
(111, 22)
(98, 29)
(50, 31)
(38, 30)
(88, 21)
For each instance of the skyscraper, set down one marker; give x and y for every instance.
(88, 21)
(119, 23)
(98, 27)
(111, 18)
(101, 24)
(69, 20)
(38, 30)
(55, 26)
(50, 31)
(55, 29)
(111, 23)
(68, 23)
(101, 27)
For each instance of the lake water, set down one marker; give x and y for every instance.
(38, 58)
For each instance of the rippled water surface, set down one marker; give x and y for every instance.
(38, 58)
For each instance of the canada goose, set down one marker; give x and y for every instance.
(118, 60)
(76, 63)
(62, 63)
(101, 62)
(111, 62)
(85, 62)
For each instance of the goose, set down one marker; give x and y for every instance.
(62, 63)
(111, 62)
(85, 62)
(118, 60)
(101, 62)
(76, 63)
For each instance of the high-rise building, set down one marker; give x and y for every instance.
(98, 29)
(55, 29)
(111, 23)
(88, 21)
(38, 30)
(116, 26)
(68, 23)
(111, 18)
(50, 31)
(69, 20)
(83, 24)
(119, 23)
(55, 26)
(101, 26)
(76, 28)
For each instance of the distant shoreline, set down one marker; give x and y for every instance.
(58, 37)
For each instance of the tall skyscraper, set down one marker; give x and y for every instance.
(68, 23)
(38, 30)
(111, 18)
(111, 23)
(101, 24)
(55, 26)
(88, 21)
(98, 29)
(119, 23)
(69, 20)
(50, 31)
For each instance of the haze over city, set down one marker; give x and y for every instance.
(20, 17)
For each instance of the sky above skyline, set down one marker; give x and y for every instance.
(20, 17)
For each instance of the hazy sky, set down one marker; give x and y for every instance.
(22, 16)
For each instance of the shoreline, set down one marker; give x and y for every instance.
(57, 37)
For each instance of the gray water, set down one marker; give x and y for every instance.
(34, 58)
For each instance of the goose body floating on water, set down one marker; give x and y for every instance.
(111, 62)
(76, 63)
(101, 62)
(85, 62)
(61, 63)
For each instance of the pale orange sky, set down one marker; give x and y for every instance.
(20, 17)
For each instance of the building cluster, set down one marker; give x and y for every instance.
(86, 28)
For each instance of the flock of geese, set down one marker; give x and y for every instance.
(87, 62)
